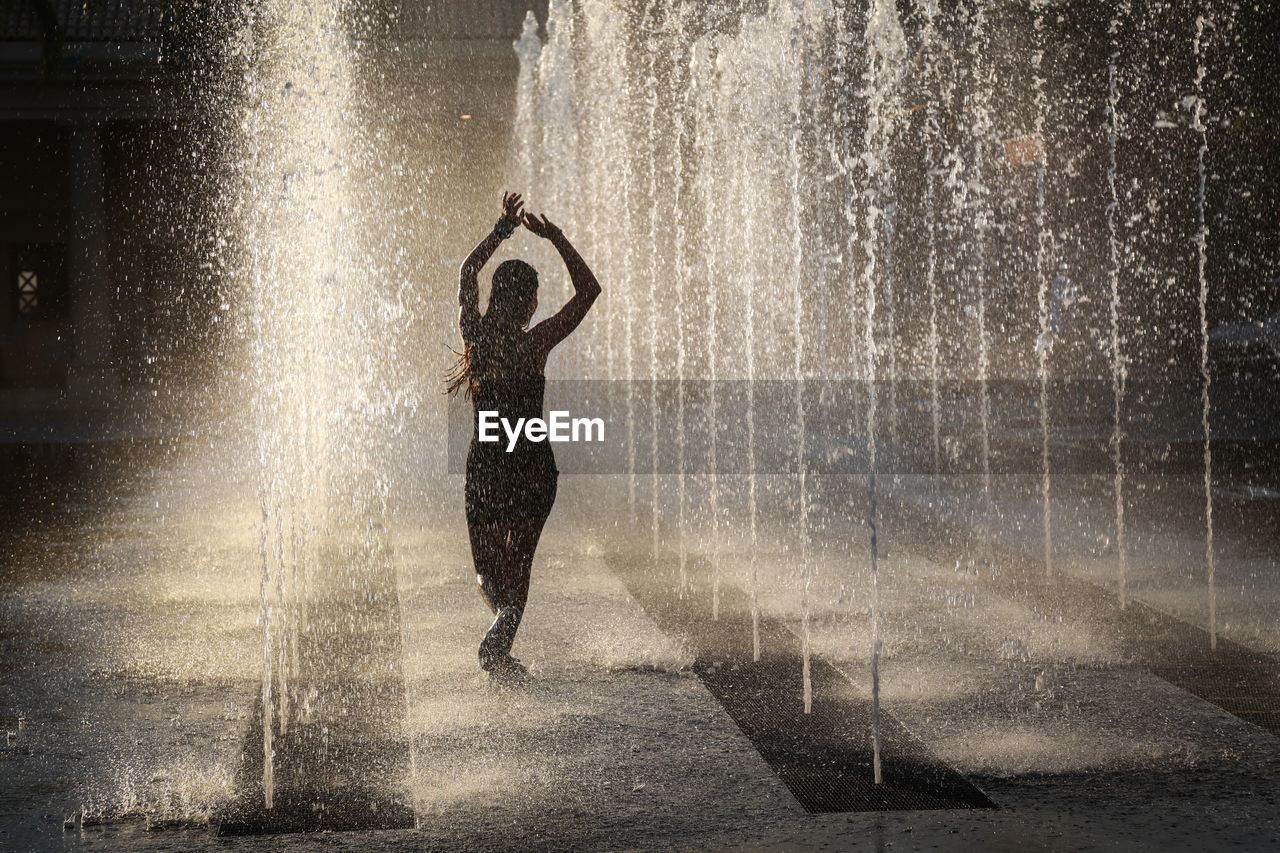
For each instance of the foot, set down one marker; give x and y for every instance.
(496, 644)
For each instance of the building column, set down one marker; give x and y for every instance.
(92, 371)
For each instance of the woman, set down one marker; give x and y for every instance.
(509, 494)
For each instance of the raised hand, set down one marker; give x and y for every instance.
(511, 208)
(543, 227)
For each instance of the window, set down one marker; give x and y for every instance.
(28, 292)
(38, 282)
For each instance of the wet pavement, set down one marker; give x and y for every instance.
(131, 665)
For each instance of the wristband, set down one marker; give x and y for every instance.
(505, 228)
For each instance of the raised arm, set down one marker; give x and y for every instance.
(555, 329)
(469, 284)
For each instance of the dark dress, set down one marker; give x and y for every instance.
(520, 486)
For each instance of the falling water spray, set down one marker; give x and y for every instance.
(558, 108)
(1113, 276)
(706, 68)
(890, 345)
(608, 81)
(1042, 265)
(984, 85)
(292, 203)
(525, 137)
(932, 131)
(1202, 249)
(627, 266)
(753, 521)
(799, 87)
(886, 50)
(682, 272)
(321, 344)
(654, 18)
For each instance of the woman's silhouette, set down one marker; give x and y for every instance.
(509, 494)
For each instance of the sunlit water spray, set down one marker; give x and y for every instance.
(1113, 276)
(655, 20)
(704, 67)
(890, 346)
(933, 50)
(746, 195)
(525, 130)
(886, 50)
(744, 155)
(322, 339)
(608, 211)
(613, 117)
(683, 119)
(1042, 266)
(1202, 248)
(558, 119)
(803, 89)
(980, 97)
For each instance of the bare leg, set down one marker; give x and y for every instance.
(488, 550)
(522, 544)
(491, 549)
(512, 591)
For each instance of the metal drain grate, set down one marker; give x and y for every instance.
(824, 757)
(1244, 685)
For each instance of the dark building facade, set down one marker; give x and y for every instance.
(106, 189)
(72, 76)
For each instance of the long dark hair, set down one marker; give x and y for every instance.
(514, 284)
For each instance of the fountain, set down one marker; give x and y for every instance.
(323, 375)
(761, 118)
(908, 322)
